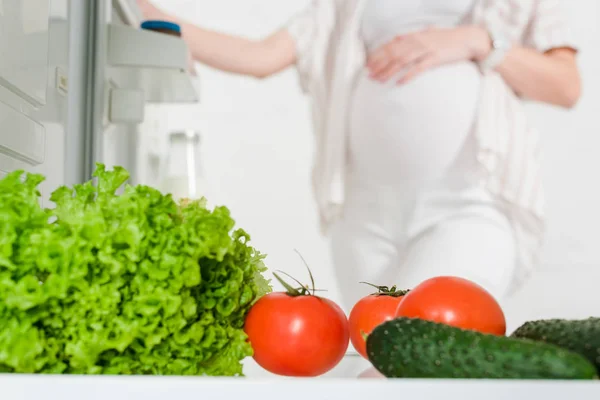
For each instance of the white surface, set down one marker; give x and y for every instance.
(24, 48)
(155, 62)
(258, 143)
(143, 388)
(352, 379)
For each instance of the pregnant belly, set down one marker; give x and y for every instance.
(415, 131)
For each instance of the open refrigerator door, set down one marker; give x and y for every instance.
(143, 69)
(34, 64)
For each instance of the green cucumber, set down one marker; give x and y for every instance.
(413, 348)
(579, 336)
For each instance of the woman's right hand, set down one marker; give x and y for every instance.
(258, 58)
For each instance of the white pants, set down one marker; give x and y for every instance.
(388, 238)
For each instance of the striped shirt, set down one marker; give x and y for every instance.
(330, 56)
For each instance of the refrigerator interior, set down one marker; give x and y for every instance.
(75, 77)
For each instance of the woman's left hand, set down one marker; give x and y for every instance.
(420, 51)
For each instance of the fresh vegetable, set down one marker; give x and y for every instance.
(580, 336)
(414, 348)
(121, 284)
(456, 302)
(297, 333)
(371, 311)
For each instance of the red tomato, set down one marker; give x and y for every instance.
(302, 336)
(456, 302)
(367, 314)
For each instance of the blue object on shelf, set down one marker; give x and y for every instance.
(158, 24)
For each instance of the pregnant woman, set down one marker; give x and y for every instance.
(425, 164)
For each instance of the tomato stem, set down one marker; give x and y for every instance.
(290, 290)
(303, 290)
(387, 291)
(312, 280)
(294, 279)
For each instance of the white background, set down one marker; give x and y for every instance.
(257, 149)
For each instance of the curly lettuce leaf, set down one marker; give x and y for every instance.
(122, 284)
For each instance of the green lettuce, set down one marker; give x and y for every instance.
(122, 284)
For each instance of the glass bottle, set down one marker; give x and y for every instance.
(184, 175)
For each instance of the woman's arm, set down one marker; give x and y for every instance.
(258, 58)
(551, 77)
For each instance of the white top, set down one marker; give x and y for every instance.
(331, 55)
(384, 19)
(412, 133)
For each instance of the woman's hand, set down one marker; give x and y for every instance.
(420, 51)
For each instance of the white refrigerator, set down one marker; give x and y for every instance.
(75, 77)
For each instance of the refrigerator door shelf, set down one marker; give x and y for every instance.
(156, 63)
(24, 138)
(24, 48)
